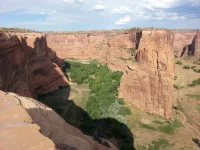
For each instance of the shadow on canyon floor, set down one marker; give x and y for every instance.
(107, 128)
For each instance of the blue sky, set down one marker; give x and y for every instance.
(68, 15)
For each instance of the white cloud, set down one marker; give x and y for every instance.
(73, 1)
(121, 10)
(123, 20)
(164, 4)
(99, 7)
(42, 12)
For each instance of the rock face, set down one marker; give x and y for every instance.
(15, 123)
(186, 43)
(147, 84)
(42, 124)
(110, 47)
(195, 45)
(27, 66)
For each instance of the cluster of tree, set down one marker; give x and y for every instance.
(103, 84)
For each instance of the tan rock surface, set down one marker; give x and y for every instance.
(18, 132)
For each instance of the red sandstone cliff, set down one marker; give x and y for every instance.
(147, 84)
(27, 66)
(187, 43)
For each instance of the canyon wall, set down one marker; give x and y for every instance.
(147, 82)
(187, 43)
(27, 66)
(110, 47)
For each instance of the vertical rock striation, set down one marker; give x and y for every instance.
(149, 86)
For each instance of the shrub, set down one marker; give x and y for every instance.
(195, 82)
(197, 70)
(121, 101)
(176, 86)
(175, 78)
(179, 62)
(193, 67)
(196, 62)
(124, 111)
(133, 50)
(186, 67)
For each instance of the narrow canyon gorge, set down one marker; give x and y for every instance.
(31, 65)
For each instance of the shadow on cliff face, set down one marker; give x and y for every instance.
(107, 128)
(28, 66)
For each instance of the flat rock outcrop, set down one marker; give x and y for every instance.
(18, 131)
(147, 83)
(27, 66)
(26, 123)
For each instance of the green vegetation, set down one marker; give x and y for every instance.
(193, 67)
(124, 111)
(103, 84)
(179, 63)
(101, 115)
(21, 30)
(133, 50)
(186, 67)
(197, 70)
(195, 82)
(162, 126)
(160, 144)
(146, 126)
(196, 62)
(171, 127)
(198, 107)
(125, 59)
(178, 87)
(175, 78)
(195, 96)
